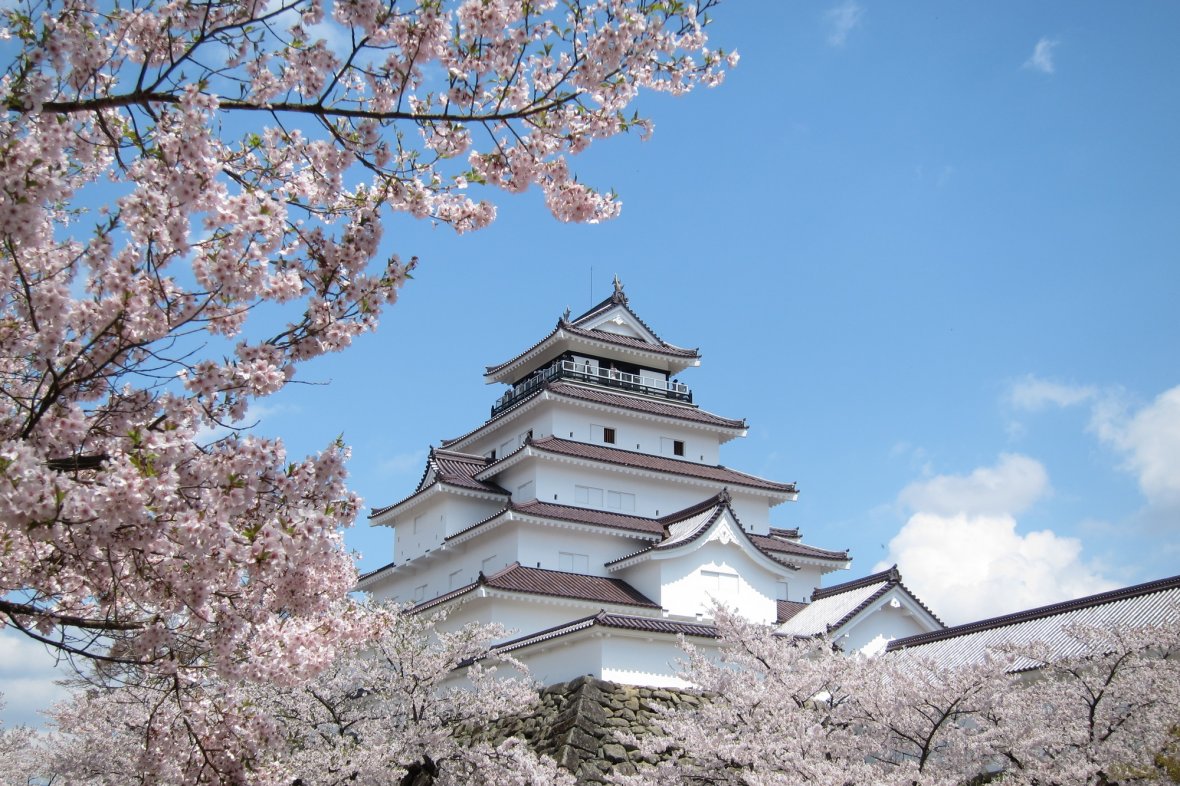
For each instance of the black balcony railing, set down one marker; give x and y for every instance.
(594, 375)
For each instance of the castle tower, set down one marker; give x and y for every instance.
(592, 515)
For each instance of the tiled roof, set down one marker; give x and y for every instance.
(645, 405)
(686, 526)
(568, 585)
(602, 518)
(1152, 603)
(768, 543)
(617, 621)
(628, 458)
(651, 406)
(552, 583)
(617, 298)
(788, 609)
(791, 534)
(833, 607)
(450, 468)
(630, 342)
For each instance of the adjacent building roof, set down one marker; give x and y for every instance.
(1152, 603)
(645, 405)
(449, 468)
(832, 608)
(617, 621)
(553, 583)
(646, 461)
(788, 609)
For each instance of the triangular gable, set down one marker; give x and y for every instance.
(614, 315)
(701, 525)
(839, 610)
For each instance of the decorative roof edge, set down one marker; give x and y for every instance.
(1039, 612)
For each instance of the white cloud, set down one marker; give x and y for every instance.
(1033, 394)
(1150, 441)
(960, 550)
(1012, 486)
(969, 567)
(1042, 56)
(27, 679)
(842, 20)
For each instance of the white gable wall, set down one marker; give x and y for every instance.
(690, 584)
(879, 625)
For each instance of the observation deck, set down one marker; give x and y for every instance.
(598, 376)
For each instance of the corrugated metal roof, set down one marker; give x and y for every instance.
(1155, 603)
(821, 615)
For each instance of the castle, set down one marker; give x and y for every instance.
(592, 515)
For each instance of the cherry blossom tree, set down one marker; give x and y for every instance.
(403, 698)
(785, 711)
(778, 713)
(20, 751)
(192, 195)
(1097, 717)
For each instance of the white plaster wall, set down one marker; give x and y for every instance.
(564, 659)
(882, 625)
(520, 616)
(651, 661)
(654, 496)
(541, 546)
(635, 433)
(538, 419)
(435, 570)
(444, 514)
(686, 591)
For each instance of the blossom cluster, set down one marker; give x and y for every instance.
(785, 711)
(192, 201)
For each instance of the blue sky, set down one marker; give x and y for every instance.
(928, 250)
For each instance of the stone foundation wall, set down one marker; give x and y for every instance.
(578, 723)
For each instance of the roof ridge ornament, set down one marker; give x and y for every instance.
(619, 295)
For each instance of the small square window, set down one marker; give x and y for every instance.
(608, 435)
(678, 447)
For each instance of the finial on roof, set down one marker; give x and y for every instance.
(566, 316)
(619, 295)
(724, 495)
(894, 574)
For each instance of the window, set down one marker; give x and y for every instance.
(574, 563)
(507, 447)
(419, 593)
(605, 434)
(782, 591)
(456, 579)
(722, 587)
(618, 500)
(488, 565)
(490, 455)
(417, 524)
(671, 447)
(525, 491)
(588, 495)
